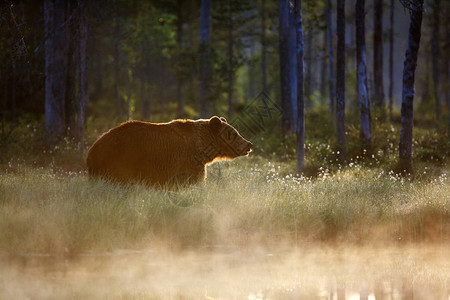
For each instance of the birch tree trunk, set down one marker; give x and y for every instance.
(205, 63)
(300, 130)
(340, 81)
(409, 68)
(55, 68)
(364, 107)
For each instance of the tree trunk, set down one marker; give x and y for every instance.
(300, 130)
(323, 68)
(97, 63)
(378, 60)
(127, 84)
(181, 113)
(13, 92)
(252, 87)
(180, 106)
(293, 68)
(116, 80)
(162, 99)
(230, 60)
(446, 86)
(117, 68)
(435, 57)
(424, 82)
(409, 68)
(285, 67)
(83, 83)
(331, 58)
(308, 68)
(364, 107)
(144, 100)
(72, 68)
(340, 81)
(205, 59)
(5, 99)
(391, 63)
(263, 46)
(55, 68)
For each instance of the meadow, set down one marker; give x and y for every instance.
(251, 215)
(241, 203)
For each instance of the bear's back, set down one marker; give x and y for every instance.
(137, 150)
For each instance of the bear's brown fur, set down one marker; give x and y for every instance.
(164, 153)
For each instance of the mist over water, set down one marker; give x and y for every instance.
(306, 271)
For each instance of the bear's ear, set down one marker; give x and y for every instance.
(215, 123)
(223, 119)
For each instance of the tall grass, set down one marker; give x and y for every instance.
(242, 202)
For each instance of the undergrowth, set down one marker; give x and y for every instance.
(242, 203)
(49, 205)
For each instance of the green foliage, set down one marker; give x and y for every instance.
(232, 21)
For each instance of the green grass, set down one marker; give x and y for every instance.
(43, 210)
(48, 204)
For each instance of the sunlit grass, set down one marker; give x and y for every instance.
(243, 202)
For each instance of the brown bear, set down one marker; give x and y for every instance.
(161, 154)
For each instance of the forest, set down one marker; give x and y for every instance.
(70, 66)
(346, 103)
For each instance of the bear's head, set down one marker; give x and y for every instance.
(230, 144)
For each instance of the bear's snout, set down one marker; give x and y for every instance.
(248, 148)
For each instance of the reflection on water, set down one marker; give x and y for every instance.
(307, 272)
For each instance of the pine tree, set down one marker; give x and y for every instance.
(378, 60)
(331, 58)
(391, 62)
(364, 107)
(55, 68)
(340, 81)
(205, 59)
(405, 150)
(435, 53)
(300, 128)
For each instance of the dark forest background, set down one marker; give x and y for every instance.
(71, 69)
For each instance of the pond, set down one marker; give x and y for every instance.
(227, 272)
